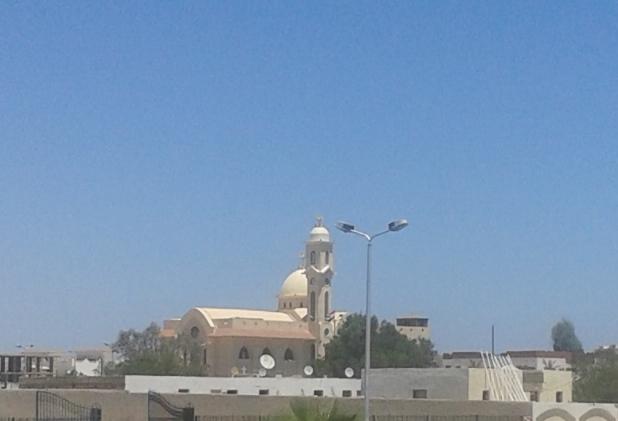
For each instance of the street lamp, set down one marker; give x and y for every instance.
(346, 227)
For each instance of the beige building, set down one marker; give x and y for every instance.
(413, 327)
(231, 341)
(465, 384)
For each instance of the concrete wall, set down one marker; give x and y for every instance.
(400, 383)
(124, 406)
(574, 412)
(285, 386)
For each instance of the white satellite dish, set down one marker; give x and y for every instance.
(349, 372)
(262, 372)
(267, 361)
(308, 370)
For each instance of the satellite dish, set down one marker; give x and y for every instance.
(267, 361)
(349, 372)
(234, 371)
(308, 370)
(261, 372)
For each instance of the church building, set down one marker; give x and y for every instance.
(232, 341)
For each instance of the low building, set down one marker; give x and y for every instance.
(247, 386)
(465, 384)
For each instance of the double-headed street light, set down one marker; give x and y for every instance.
(346, 227)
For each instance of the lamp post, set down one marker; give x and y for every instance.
(394, 226)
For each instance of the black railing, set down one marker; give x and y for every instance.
(172, 412)
(52, 407)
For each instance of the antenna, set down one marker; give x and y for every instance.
(308, 370)
(349, 372)
(267, 361)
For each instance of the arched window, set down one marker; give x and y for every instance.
(312, 258)
(326, 309)
(326, 257)
(289, 355)
(243, 354)
(312, 305)
(195, 331)
(284, 305)
(266, 351)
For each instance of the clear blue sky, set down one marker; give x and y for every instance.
(157, 156)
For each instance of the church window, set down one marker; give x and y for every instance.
(204, 357)
(326, 309)
(194, 332)
(312, 305)
(266, 351)
(284, 304)
(289, 355)
(243, 354)
(312, 258)
(326, 257)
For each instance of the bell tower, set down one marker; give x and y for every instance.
(319, 269)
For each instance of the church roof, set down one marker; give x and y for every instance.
(213, 313)
(264, 333)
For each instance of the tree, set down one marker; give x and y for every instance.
(147, 353)
(596, 377)
(389, 348)
(564, 338)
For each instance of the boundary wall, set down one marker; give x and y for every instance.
(19, 405)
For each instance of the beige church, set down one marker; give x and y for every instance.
(232, 341)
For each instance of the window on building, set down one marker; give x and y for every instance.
(194, 332)
(232, 392)
(312, 258)
(284, 305)
(312, 352)
(267, 352)
(215, 391)
(183, 390)
(359, 393)
(318, 392)
(243, 354)
(312, 305)
(204, 357)
(326, 309)
(326, 257)
(264, 392)
(485, 395)
(346, 393)
(419, 393)
(534, 396)
(558, 396)
(289, 355)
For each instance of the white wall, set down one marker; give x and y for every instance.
(283, 386)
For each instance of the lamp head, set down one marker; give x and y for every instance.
(344, 226)
(397, 225)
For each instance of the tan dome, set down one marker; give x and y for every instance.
(295, 285)
(319, 233)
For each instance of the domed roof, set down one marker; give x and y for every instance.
(319, 231)
(295, 284)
